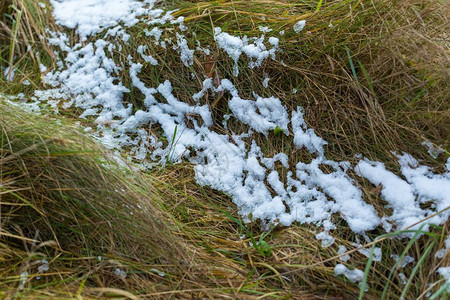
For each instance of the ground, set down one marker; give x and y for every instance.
(82, 220)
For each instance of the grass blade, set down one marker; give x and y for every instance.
(366, 75)
(352, 66)
(416, 268)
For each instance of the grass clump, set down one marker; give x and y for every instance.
(77, 221)
(65, 200)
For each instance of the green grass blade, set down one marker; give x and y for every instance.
(172, 144)
(400, 259)
(319, 5)
(352, 66)
(416, 268)
(366, 75)
(372, 249)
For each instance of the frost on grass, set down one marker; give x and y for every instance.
(87, 77)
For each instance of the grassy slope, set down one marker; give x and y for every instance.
(397, 99)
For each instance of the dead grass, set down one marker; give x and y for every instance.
(395, 97)
(64, 200)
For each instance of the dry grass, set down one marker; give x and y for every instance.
(395, 97)
(64, 200)
(402, 101)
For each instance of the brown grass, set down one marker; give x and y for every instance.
(195, 233)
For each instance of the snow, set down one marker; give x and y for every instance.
(396, 191)
(264, 29)
(432, 150)
(304, 137)
(354, 275)
(8, 73)
(187, 55)
(441, 253)
(234, 46)
(405, 196)
(147, 58)
(265, 82)
(445, 272)
(299, 26)
(154, 32)
(92, 16)
(121, 273)
(265, 187)
(377, 253)
(405, 261)
(327, 240)
(342, 250)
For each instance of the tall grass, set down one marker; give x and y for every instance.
(373, 82)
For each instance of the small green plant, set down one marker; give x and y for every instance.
(261, 245)
(278, 131)
(172, 144)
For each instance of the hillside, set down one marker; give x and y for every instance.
(225, 149)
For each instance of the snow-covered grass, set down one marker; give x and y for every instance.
(337, 62)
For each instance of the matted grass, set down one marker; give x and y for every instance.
(66, 201)
(373, 82)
